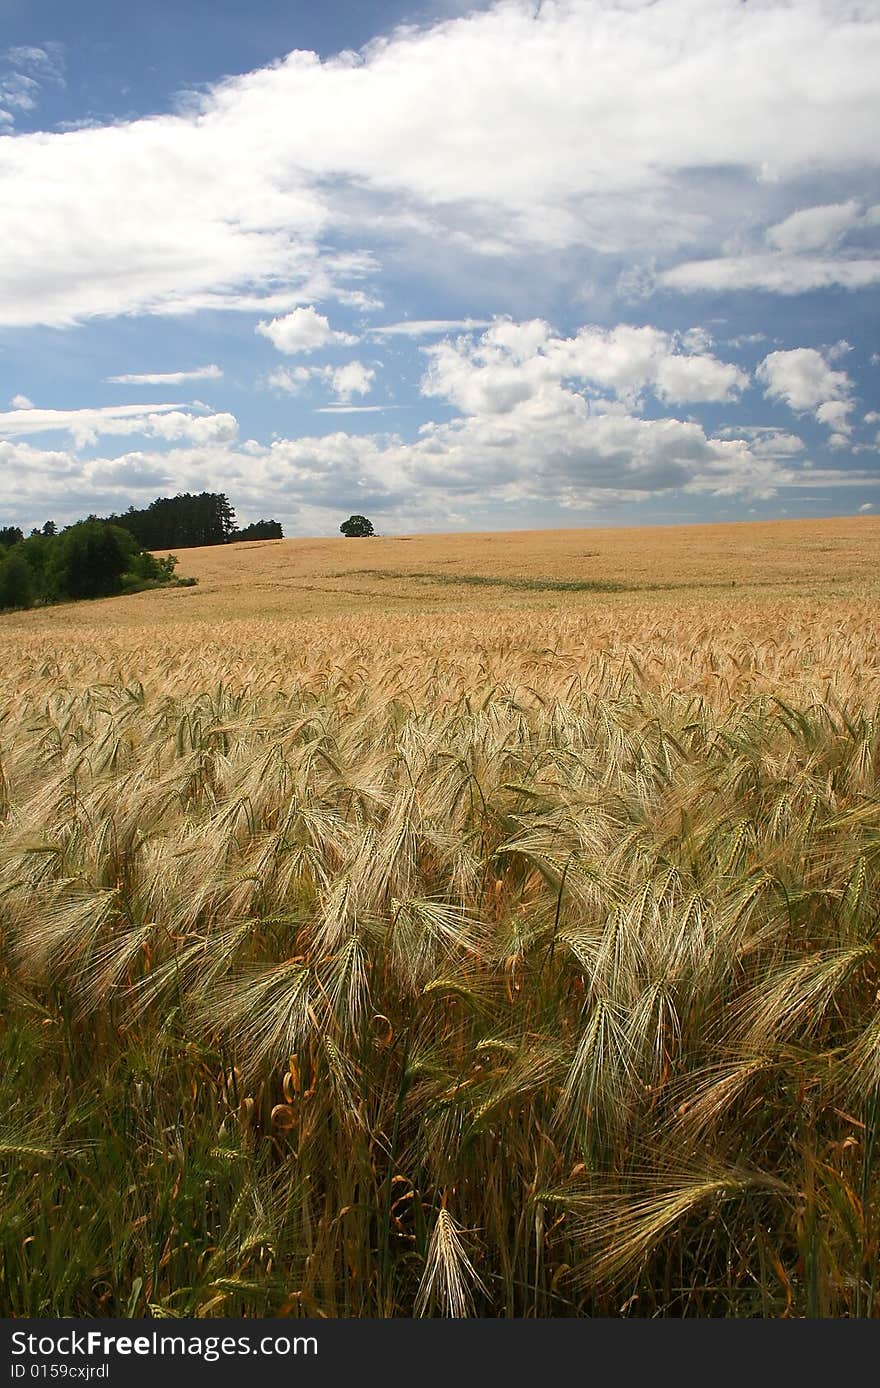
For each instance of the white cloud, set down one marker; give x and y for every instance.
(802, 378)
(354, 409)
(303, 330)
(429, 327)
(515, 362)
(837, 350)
(779, 274)
(85, 426)
(166, 378)
(552, 141)
(18, 92)
(293, 379)
(814, 228)
(698, 379)
(835, 413)
(353, 379)
(46, 61)
(765, 441)
(21, 402)
(745, 340)
(212, 428)
(697, 339)
(24, 70)
(804, 381)
(548, 450)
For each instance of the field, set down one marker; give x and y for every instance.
(448, 925)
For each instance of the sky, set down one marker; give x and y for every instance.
(452, 266)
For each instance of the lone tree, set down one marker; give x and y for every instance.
(356, 527)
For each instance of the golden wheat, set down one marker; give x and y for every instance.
(508, 962)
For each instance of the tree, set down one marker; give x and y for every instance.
(16, 579)
(185, 520)
(356, 527)
(89, 559)
(10, 535)
(50, 528)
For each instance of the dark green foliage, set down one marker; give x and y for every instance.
(36, 549)
(356, 527)
(146, 570)
(259, 530)
(180, 521)
(189, 520)
(16, 579)
(88, 561)
(10, 535)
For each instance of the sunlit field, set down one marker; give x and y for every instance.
(454, 925)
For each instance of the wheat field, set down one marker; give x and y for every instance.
(464, 925)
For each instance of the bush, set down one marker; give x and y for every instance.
(147, 571)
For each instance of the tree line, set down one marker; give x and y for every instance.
(188, 521)
(106, 555)
(91, 559)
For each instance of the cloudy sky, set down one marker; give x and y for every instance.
(451, 265)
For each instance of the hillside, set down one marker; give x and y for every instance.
(571, 569)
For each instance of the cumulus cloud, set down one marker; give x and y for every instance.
(21, 402)
(557, 450)
(834, 413)
(515, 362)
(166, 378)
(303, 330)
(804, 381)
(802, 378)
(354, 378)
(85, 426)
(697, 379)
(765, 441)
(293, 380)
(697, 339)
(551, 142)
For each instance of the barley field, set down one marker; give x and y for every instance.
(450, 925)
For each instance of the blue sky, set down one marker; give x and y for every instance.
(452, 266)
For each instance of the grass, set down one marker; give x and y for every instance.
(508, 963)
(521, 585)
